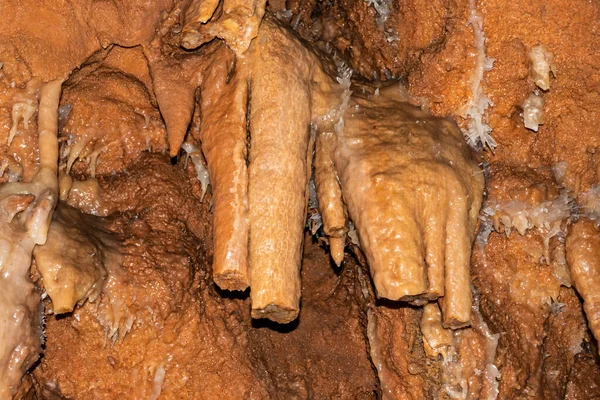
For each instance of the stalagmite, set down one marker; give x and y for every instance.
(26, 210)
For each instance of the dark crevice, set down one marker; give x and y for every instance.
(248, 126)
(363, 306)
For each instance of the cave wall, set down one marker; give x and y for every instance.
(429, 47)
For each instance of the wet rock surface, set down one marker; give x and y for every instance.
(163, 329)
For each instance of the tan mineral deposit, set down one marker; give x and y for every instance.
(299, 199)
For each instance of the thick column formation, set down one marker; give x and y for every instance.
(413, 192)
(224, 143)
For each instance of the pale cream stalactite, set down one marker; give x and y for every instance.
(434, 241)
(26, 210)
(329, 193)
(456, 303)
(410, 183)
(542, 66)
(194, 155)
(46, 178)
(24, 107)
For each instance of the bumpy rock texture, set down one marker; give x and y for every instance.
(197, 341)
(519, 278)
(161, 302)
(161, 328)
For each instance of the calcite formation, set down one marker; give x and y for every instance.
(158, 161)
